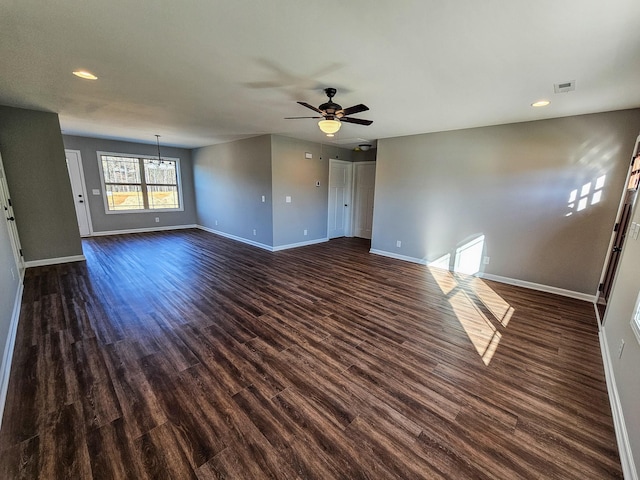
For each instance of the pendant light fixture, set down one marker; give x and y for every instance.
(160, 161)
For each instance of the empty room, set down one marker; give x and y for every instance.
(296, 240)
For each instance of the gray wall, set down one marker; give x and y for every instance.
(512, 184)
(230, 179)
(296, 176)
(34, 161)
(617, 327)
(103, 222)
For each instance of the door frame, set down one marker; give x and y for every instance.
(354, 193)
(14, 236)
(348, 221)
(83, 185)
(614, 233)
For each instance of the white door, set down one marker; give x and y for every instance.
(340, 174)
(364, 185)
(10, 219)
(76, 175)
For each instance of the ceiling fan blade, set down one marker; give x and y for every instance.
(355, 109)
(359, 121)
(293, 118)
(305, 104)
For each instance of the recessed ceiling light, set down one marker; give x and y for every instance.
(540, 103)
(84, 74)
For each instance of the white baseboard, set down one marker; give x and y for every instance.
(262, 245)
(624, 446)
(54, 261)
(142, 230)
(497, 278)
(299, 244)
(7, 357)
(397, 256)
(540, 287)
(236, 238)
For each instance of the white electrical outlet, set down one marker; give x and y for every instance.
(263, 199)
(620, 348)
(398, 244)
(216, 223)
(305, 231)
(95, 191)
(254, 231)
(287, 199)
(486, 260)
(13, 274)
(157, 219)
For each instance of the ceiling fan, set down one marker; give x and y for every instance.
(333, 114)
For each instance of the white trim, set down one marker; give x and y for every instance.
(397, 256)
(262, 245)
(142, 230)
(9, 346)
(497, 278)
(624, 446)
(54, 261)
(299, 244)
(234, 237)
(135, 155)
(540, 287)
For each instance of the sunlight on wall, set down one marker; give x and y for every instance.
(469, 256)
(588, 196)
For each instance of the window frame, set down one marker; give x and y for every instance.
(143, 183)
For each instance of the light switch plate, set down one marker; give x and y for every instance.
(308, 155)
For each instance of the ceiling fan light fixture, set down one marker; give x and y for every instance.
(329, 126)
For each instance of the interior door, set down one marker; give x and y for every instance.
(10, 219)
(340, 176)
(76, 175)
(364, 185)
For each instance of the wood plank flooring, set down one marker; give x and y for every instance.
(184, 355)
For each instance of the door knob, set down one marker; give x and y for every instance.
(12, 219)
(617, 249)
(81, 201)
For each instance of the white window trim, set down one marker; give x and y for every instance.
(149, 210)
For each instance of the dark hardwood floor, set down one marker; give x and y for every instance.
(185, 355)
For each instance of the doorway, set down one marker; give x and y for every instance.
(76, 176)
(340, 179)
(7, 210)
(620, 231)
(364, 180)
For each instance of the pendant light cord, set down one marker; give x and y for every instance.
(158, 142)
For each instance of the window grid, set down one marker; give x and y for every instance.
(139, 184)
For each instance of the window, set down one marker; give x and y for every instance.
(135, 183)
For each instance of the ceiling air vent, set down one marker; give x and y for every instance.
(564, 87)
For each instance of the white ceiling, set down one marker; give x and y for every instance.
(200, 72)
